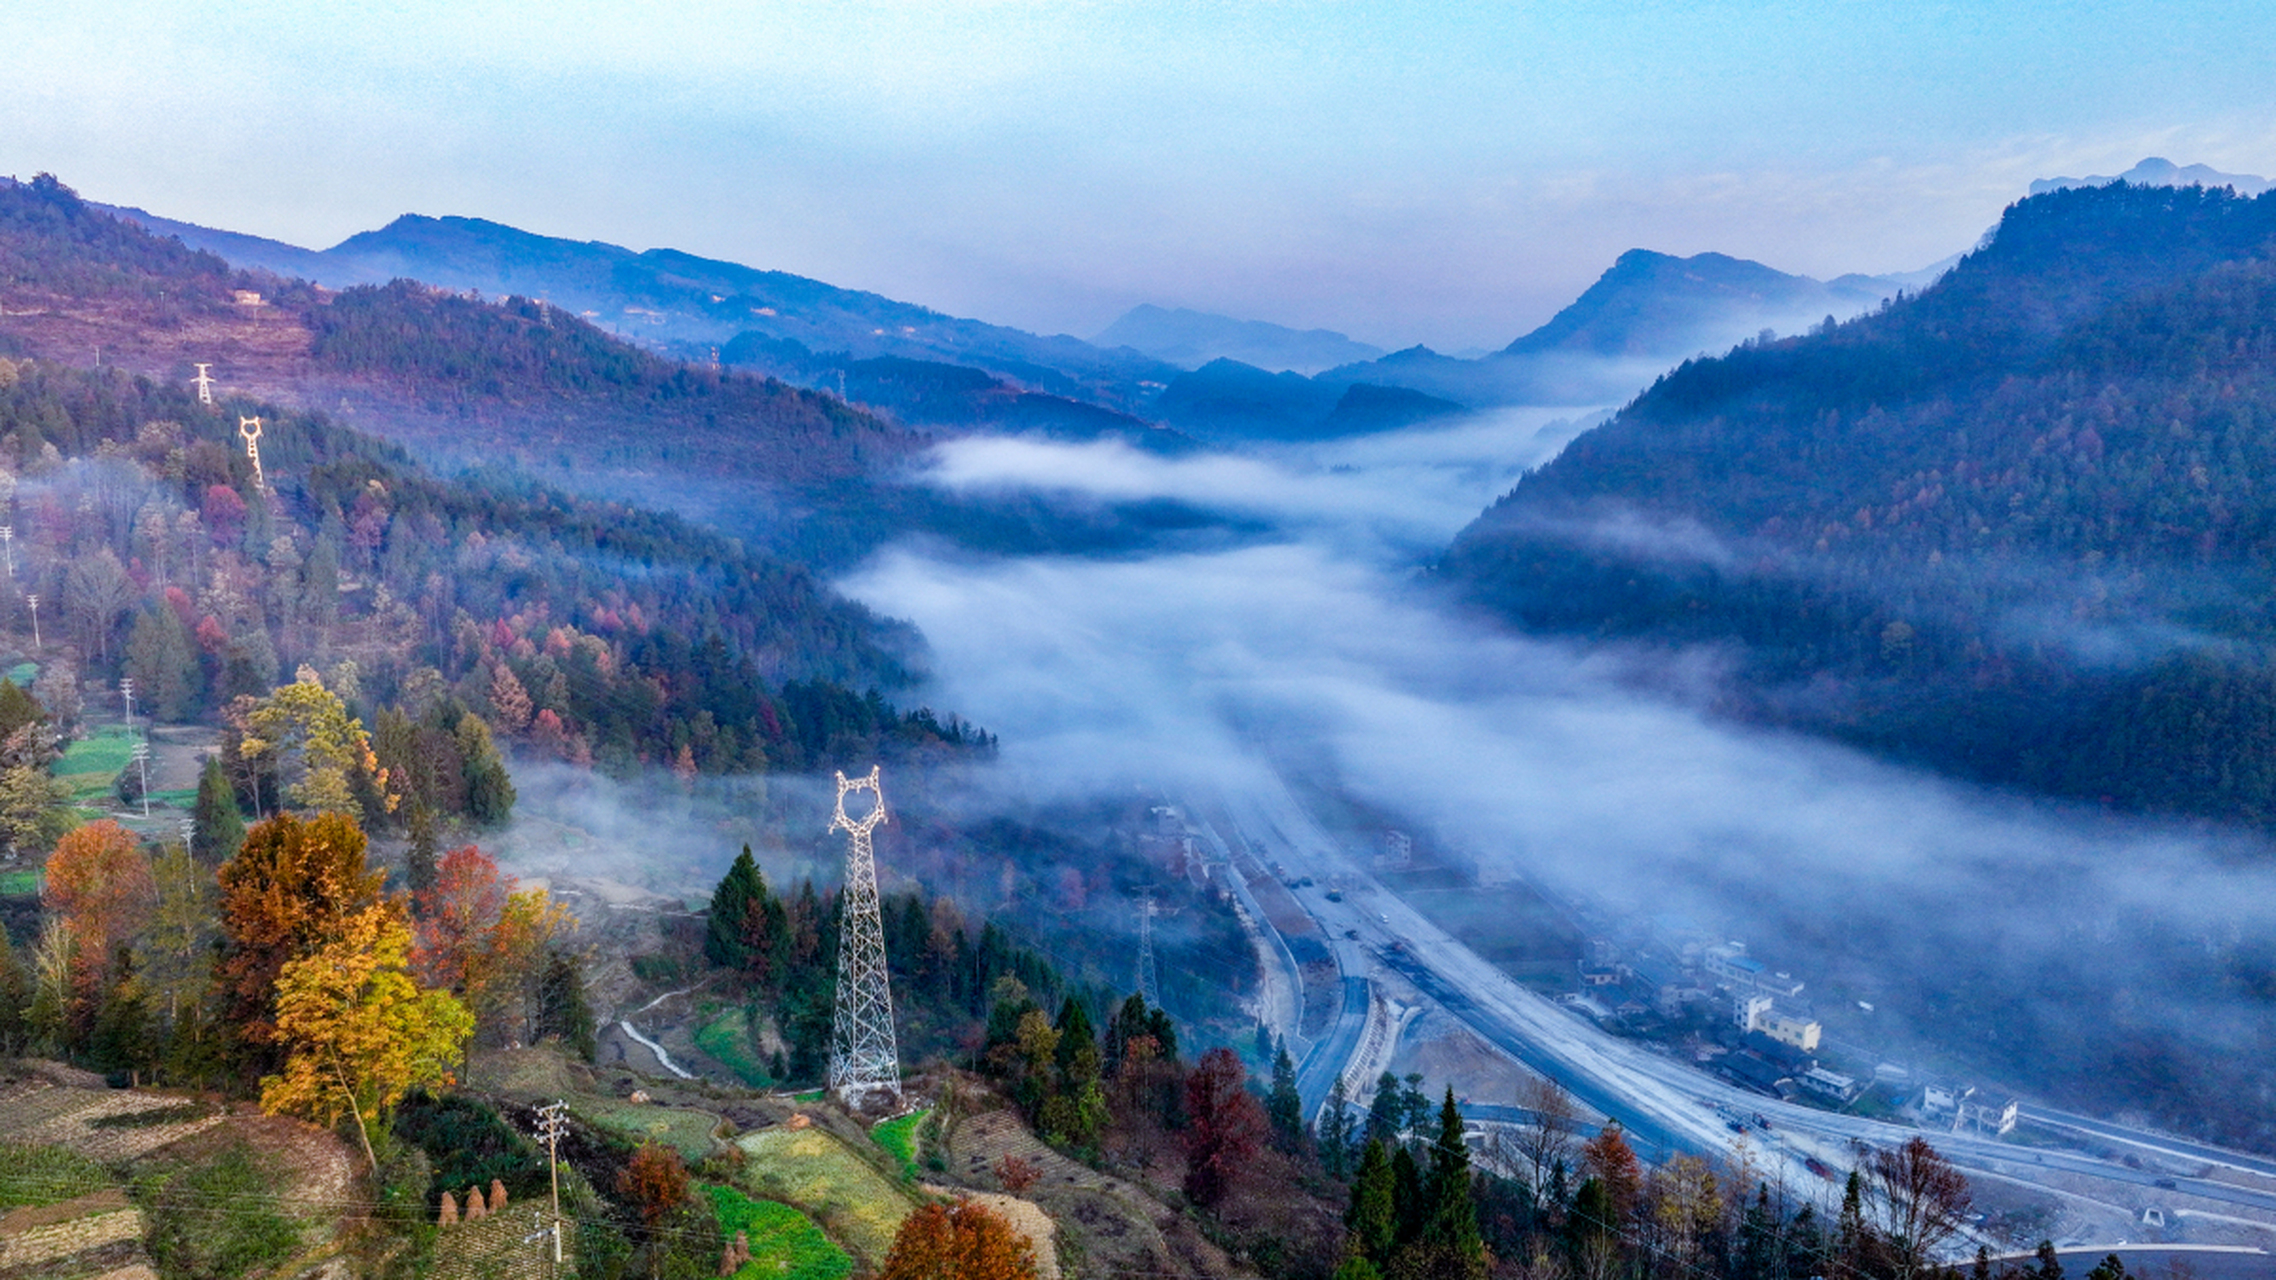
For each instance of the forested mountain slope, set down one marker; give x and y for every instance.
(2020, 526)
(463, 381)
(613, 633)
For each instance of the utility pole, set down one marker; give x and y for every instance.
(1146, 979)
(550, 1123)
(142, 762)
(34, 601)
(126, 691)
(864, 1058)
(250, 429)
(204, 383)
(8, 545)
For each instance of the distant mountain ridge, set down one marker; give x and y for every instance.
(2157, 171)
(1645, 313)
(676, 300)
(1194, 338)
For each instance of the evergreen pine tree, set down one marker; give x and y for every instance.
(489, 791)
(1386, 1111)
(1165, 1032)
(1335, 1130)
(1452, 1211)
(1372, 1218)
(1407, 1194)
(727, 934)
(218, 828)
(1283, 1105)
(562, 1008)
(1850, 1230)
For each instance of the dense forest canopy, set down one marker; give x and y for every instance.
(2017, 526)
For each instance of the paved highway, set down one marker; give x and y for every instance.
(1668, 1106)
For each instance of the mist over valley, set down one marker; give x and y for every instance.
(1743, 755)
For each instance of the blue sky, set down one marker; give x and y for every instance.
(1438, 173)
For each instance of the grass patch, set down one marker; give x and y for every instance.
(90, 764)
(900, 1138)
(811, 1095)
(808, 1168)
(688, 1132)
(23, 673)
(46, 1175)
(19, 882)
(785, 1244)
(728, 1039)
(188, 1238)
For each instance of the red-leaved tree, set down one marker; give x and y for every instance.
(1226, 1125)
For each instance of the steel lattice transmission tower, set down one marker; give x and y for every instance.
(1147, 984)
(864, 1058)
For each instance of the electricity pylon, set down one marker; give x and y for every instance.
(1147, 985)
(250, 428)
(864, 1058)
(204, 383)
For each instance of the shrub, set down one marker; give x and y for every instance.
(189, 1241)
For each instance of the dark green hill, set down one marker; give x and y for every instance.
(2020, 527)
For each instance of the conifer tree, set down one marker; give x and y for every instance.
(726, 939)
(489, 792)
(1372, 1218)
(1452, 1222)
(1407, 1194)
(1335, 1130)
(562, 1007)
(218, 828)
(1283, 1105)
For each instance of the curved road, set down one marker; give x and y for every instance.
(1664, 1103)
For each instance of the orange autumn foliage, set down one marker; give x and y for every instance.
(99, 881)
(283, 896)
(481, 936)
(967, 1242)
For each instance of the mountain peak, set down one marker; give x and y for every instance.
(2157, 171)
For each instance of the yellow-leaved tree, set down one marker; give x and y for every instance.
(360, 1031)
(304, 731)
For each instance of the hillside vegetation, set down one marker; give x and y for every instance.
(2017, 527)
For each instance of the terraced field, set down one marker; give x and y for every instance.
(785, 1244)
(858, 1205)
(1105, 1226)
(514, 1243)
(71, 1149)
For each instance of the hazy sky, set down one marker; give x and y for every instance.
(1433, 172)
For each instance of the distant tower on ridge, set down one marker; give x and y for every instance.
(864, 1057)
(204, 383)
(250, 428)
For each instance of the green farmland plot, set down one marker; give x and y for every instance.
(785, 1244)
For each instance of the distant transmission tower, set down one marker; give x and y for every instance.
(1147, 985)
(863, 1056)
(250, 428)
(204, 383)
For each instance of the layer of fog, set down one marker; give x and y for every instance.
(1595, 772)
